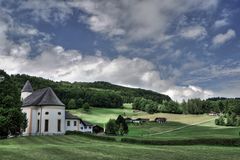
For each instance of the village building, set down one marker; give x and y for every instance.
(46, 113)
(160, 119)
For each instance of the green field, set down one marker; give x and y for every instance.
(167, 131)
(78, 147)
(178, 126)
(102, 115)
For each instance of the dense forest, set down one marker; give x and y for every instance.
(96, 94)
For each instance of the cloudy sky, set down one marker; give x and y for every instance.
(183, 48)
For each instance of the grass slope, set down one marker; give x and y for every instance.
(102, 115)
(158, 131)
(153, 130)
(77, 147)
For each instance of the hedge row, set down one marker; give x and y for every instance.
(93, 136)
(215, 141)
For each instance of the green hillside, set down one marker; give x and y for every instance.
(78, 147)
(106, 94)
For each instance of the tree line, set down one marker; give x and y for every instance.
(191, 106)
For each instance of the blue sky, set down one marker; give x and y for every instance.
(182, 48)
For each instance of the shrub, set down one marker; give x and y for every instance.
(217, 121)
(122, 125)
(231, 119)
(111, 127)
(216, 141)
(220, 121)
(238, 121)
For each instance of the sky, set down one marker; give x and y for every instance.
(182, 48)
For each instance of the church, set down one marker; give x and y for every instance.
(46, 113)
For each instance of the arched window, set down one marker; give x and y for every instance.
(46, 113)
(59, 113)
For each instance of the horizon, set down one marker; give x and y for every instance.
(184, 49)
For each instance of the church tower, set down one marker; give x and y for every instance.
(26, 91)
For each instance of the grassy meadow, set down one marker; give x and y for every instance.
(178, 126)
(78, 147)
(102, 115)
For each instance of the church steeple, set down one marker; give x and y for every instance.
(27, 87)
(26, 90)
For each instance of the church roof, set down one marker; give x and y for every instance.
(27, 87)
(42, 97)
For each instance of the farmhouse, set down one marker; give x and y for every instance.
(46, 113)
(160, 120)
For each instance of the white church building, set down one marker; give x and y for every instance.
(46, 113)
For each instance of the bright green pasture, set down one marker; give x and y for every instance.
(77, 147)
(102, 115)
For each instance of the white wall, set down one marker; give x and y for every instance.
(27, 110)
(39, 113)
(79, 127)
(88, 129)
(72, 127)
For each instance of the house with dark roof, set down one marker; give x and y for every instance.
(74, 123)
(46, 113)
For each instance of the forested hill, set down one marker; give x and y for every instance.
(98, 94)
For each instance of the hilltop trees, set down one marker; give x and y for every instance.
(86, 107)
(71, 104)
(105, 99)
(145, 105)
(170, 107)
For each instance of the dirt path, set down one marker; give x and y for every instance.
(176, 129)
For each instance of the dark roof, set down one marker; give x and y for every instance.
(70, 116)
(42, 97)
(27, 87)
(85, 123)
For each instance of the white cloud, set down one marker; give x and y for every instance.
(180, 93)
(193, 32)
(136, 20)
(21, 50)
(221, 23)
(224, 37)
(47, 10)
